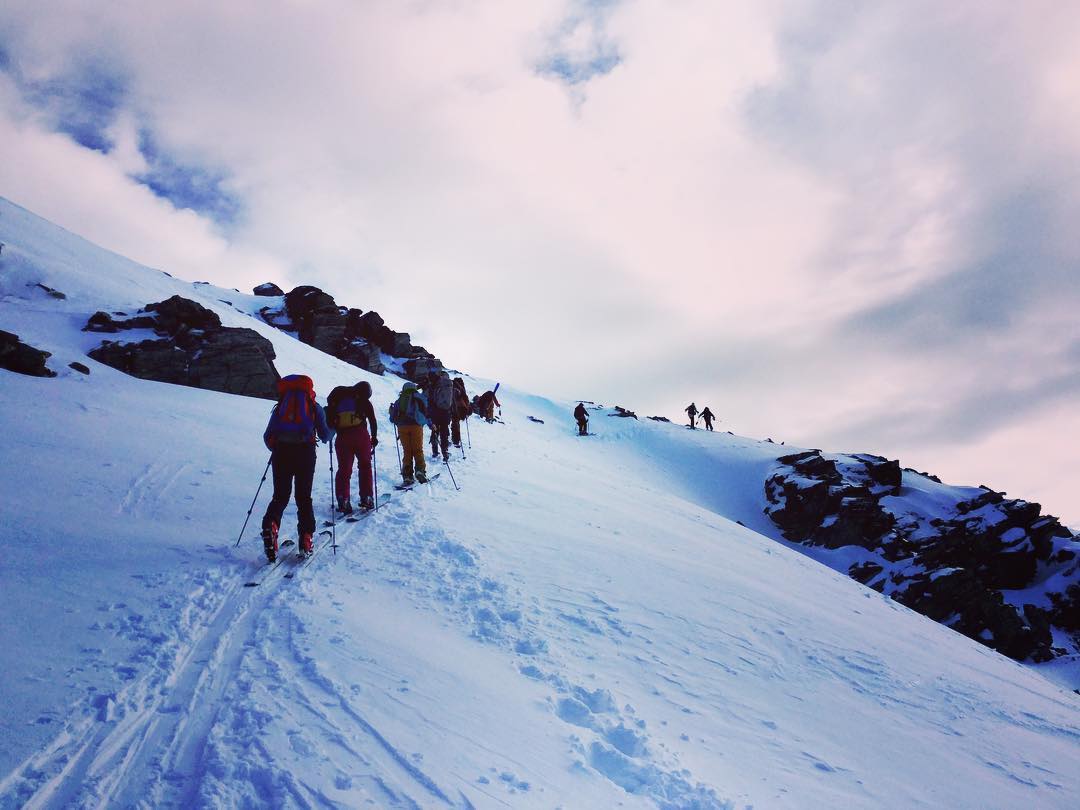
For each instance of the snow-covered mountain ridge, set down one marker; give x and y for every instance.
(584, 624)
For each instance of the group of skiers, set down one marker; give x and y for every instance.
(707, 416)
(297, 423)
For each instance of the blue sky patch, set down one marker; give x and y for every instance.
(83, 103)
(573, 72)
(187, 185)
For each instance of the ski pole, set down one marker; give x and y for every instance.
(447, 463)
(468, 432)
(375, 477)
(255, 499)
(397, 446)
(333, 511)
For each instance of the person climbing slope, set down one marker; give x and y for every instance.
(487, 404)
(409, 414)
(461, 411)
(707, 417)
(582, 417)
(691, 411)
(351, 415)
(296, 424)
(440, 411)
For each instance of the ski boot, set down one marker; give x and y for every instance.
(367, 504)
(421, 477)
(270, 541)
(345, 507)
(306, 545)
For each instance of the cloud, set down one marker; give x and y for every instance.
(807, 213)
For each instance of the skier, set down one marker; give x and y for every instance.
(707, 416)
(350, 413)
(409, 413)
(582, 417)
(461, 410)
(691, 411)
(440, 411)
(296, 424)
(487, 404)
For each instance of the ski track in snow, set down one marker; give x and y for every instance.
(189, 733)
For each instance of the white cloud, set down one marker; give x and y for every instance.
(811, 213)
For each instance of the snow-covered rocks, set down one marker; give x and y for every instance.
(991, 568)
(191, 348)
(19, 357)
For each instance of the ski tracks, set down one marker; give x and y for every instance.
(413, 552)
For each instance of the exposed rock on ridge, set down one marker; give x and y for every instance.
(991, 568)
(192, 349)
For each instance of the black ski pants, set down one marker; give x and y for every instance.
(293, 463)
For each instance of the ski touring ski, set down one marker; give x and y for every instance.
(407, 487)
(303, 560)
(282, 557)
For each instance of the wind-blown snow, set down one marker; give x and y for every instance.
(583, 624)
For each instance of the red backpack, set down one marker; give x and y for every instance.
(293, 420)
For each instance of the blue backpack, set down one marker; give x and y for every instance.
(293, 419)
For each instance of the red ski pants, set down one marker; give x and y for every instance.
(353, 443)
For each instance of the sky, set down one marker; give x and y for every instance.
(840, 225)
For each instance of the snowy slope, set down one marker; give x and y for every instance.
(583, 624)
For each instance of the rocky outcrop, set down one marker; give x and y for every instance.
(192, 349)
(23, 359)
(269, 290)
(623, 412)
(966, 557)
(357, 337)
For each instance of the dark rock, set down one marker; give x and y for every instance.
(269, 289)
(534, 419)
(864, 572)
(367, 326)
(79, 367)
(158, 360)
(317, 318)
(859, 522)
(623, 412)
(176, 314)
(798, 507)
(421, 368)
(395, 344)
(659, 419)
(101, 322)
(235, 361)
(23, 359)
(52, 293)
(882, 471)
(195, 351)
(363, 355)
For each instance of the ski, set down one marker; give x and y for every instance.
(406, 488)
(303, 560)
(281, 558)
(356, 517)
(358, 514)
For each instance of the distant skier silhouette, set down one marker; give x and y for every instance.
(691, 411)
(582, 417)
(707, 417)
